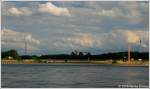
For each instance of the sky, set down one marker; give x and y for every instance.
(58, 27)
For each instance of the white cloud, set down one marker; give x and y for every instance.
(19, 11)
(114, 12)
(82, 39)
(129, 36)
(127, 11)
(26, 10)
(17, 39)
(132, 37)
(15, 11)
(52, 9)
(90, 30)
(109, 41)
(144, 37)
(119, 13)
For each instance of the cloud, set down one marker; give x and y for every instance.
(76, 40)
(82, 39)
(143, 37)
(52, 9)
(113, 40)
(11, 37)
(114, 12)
(26, 10)
(132, 37)
(19, 11)
(88, 28)
(129, 36)
(15, 11)
(127, 11)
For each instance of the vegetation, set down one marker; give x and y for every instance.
(11, 54)
(78, 56)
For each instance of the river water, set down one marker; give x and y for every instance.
(72, 76)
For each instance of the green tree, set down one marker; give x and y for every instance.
(11, 53)
(88, 54)
(81, 54)
(73, 54)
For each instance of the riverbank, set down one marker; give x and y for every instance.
(107, 62)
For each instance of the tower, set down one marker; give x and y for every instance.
(129, 53)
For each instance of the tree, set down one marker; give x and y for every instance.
(81, 54)
(73, 54)
(13, 54)
(88, 54)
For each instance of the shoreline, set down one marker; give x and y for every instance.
(80, 63)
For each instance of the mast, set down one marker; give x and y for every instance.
(129, 53)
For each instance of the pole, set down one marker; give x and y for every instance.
(140, 46)
(129, 53)
(25, 47)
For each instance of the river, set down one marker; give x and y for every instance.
(72, 76)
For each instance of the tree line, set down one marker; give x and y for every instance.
(78, 56)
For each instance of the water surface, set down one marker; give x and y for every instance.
(71, 76)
